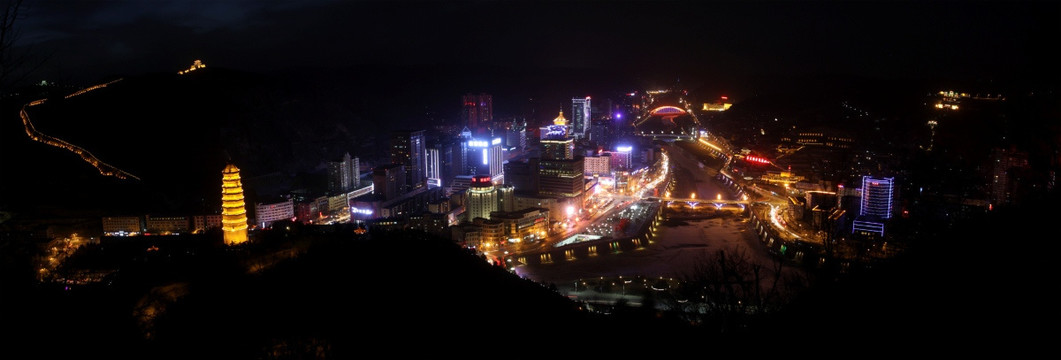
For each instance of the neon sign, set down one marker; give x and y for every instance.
(756, 159)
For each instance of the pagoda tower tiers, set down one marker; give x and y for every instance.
(233, 209)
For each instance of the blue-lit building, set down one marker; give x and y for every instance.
(876, 206)
(484, 156)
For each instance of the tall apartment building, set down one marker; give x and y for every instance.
(581, 117)
(477, 110)
(481, 198)
(876, 206)
(409, 149)
(344, 174)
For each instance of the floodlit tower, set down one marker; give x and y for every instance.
(233, 209)
(580, 123)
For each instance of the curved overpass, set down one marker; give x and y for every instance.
(668, 120)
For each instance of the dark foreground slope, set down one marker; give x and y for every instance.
(343, 296)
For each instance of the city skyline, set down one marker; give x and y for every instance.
(700, 174)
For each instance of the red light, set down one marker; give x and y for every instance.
(725, 97)
(757, 159)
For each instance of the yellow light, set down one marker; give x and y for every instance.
(233, 208)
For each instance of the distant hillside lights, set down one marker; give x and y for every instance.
(198, 64)
(722, 104)
(951, 99)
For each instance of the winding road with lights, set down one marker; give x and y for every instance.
(31, 131)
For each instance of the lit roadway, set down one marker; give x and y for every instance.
(658, 175)
(775, 201)
(32, 133)
(650, 179)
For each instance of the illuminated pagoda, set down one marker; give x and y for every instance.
(233, 209)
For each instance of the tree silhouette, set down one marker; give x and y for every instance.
(16, 64)
(732, 292)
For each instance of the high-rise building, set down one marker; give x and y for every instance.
(233, 209)
(621, 158)
(562, 178)
(344, 174)
(450, 160)
(477, 110)
(506, 198)
(522, 175)
(560, 172)
(481, 198)
(556, 141)
(1007, 166)
(388, 180)
(603, 131)
(877, 197)
(484, 157)
(581, 117)
(433, 170)
(875, 206)
(409, 149)
(516, 135)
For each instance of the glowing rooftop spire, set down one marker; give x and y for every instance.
(560, 120)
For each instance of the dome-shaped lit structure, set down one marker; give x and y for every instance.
(668, 122)
(233, 208)
(558, 130)
(560, 120)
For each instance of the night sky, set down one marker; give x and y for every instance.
(706, 40)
